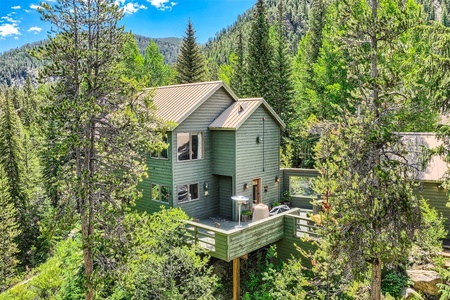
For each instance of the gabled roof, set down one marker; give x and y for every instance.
(235, 115)
(176, 102)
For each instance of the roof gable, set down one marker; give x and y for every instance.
(235, 115)
(175, 103)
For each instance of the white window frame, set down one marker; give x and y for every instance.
(189, 196)
(160, 196)
(201, 149)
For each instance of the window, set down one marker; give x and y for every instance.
(160, 154)
(160, 192)
(187, 192)
(300, 186)
(189, 146)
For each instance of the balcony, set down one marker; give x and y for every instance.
(227, 243)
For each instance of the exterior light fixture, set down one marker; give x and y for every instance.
(245, 186)
(259, 139)
(277, 179)
(206, 186)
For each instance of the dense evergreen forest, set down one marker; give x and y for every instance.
(345, 77)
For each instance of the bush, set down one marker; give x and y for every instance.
(393, 283)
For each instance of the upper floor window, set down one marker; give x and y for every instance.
(160, 154)
(189, 145)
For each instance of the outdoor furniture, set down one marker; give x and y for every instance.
(260, 212)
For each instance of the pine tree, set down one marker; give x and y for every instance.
(10, 231)
(282, 86)
(371, 212)
(99, 124)
(12, 162)
(237, 81)
(260, 54)
(190, 62)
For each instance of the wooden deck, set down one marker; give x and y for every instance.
(230, 244)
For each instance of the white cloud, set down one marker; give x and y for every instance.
(162, 4)
(9, 29)
(16, 7)
(34, 6)
(131, 8)
(9, 19)
(35, 29)
(16, 37)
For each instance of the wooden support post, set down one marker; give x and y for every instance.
(236, 278)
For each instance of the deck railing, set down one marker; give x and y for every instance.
(230, 244)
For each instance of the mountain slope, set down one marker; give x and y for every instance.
(218, 48)
(17, 64)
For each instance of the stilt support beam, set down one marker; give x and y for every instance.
(236, 278)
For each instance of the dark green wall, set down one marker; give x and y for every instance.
(159, 172)
(200, 171)
(258, 160)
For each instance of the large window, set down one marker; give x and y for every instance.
(187, 192)
(160, 192)
(163, 154)
(300, 186)
(189, 145)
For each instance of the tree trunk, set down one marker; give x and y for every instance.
(87, 255)
(375, 290)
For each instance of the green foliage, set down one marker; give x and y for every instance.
(190, 62)
(9, 229)
(260, 54)
(428, 238)
(393, 283)
(159, 74)
(58, 278)
(257, 274)
(155, 261)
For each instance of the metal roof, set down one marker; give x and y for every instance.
(235, 115)
(176, 102)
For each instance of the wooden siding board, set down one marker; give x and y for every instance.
(223, 152)
(200, 171)
(160, 172)
(286, 247)
(437, 198)
(225, 193)
(249, 155)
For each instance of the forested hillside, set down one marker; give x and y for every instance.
(17, 64)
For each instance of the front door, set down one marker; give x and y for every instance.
(257, 190)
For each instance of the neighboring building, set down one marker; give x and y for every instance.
(220, 146)
(297, 181)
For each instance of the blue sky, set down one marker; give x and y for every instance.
(20, 21)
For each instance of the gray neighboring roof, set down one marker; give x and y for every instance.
(235, 115)
(176, 102)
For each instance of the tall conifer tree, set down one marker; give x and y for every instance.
(260, 54)
(190, 61)
(9, 229)
(99, 123)
(238, 79)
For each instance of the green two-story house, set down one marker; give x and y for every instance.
(220, 146)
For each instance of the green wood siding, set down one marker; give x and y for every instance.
(225, 193)
(258, 160)
(200, 171)
(223, 144)
(286, 247)
(159, 172)
(437, 198)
